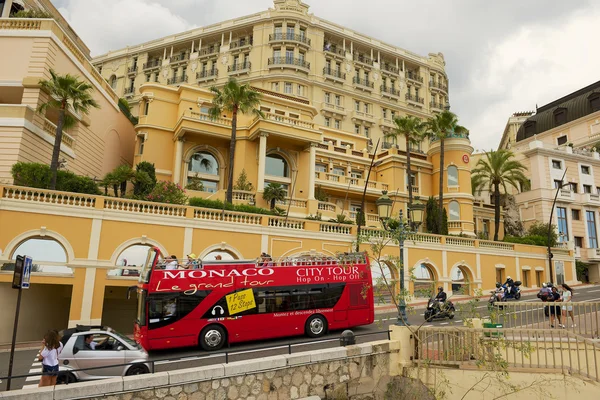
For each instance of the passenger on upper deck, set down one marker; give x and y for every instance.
(192, 262)
(171, 262)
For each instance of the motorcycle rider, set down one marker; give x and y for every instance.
(499, 291)
(440, 298)
(509, 285)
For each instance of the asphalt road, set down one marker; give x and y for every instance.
(188, 358)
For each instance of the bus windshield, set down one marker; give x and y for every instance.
(147, 267)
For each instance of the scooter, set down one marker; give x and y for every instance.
(515, 294)
(439, 310)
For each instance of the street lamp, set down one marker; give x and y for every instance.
(550, 255)
(401, 231)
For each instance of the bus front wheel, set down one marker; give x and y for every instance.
(213, 337)
(316, 326)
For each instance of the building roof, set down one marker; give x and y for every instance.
(576, 105)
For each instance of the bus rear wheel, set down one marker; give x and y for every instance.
(212, 338)
(316, 326)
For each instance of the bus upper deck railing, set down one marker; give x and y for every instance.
(226, 355)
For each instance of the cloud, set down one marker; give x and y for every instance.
(501, 56)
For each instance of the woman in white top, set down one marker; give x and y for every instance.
(567, 297)
(51, 348)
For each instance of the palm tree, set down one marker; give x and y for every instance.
(234, 98)
(274, 192)
(498, 170)
(413, 130)
(65, 92)
(441, 127)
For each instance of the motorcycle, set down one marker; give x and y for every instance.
(514, 294)
(439, 310)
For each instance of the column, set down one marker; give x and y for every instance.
(6, 10)
(311, 171)
(262, 155)
(178, 157)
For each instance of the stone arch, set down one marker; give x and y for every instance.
(311, 253)
(289, 158)
(112, 81)
(391, 274)
(112, 151)
(41, 233)
(462, 277)
(222, 247)
(426, 276)
(132, 242)
(212, 151)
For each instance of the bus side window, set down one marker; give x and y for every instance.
(166, 309)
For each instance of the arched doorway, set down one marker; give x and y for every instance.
(133, 256)
(381, 273)
(461, 280)
(424, 284)
(219, 255)
(49, 256)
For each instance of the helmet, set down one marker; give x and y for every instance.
(498, 284)
(544, 284)
(440, 289)
(508, 278)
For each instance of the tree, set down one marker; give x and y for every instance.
(441, 127)
(234, 98)
(243, 183)
(142, 186)
(65, 92)
(274, 192)
(413, 130)
(432, 218)
(498, 170)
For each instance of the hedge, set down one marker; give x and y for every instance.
(219, 205)
(38, 175)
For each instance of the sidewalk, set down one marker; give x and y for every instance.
(421, 303)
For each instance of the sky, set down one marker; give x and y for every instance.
(501, 56)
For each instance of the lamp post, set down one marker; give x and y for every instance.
(550, 255)
(401, 230)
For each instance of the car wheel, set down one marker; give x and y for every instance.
(65, 378)
(137, 370)
(316, 326)
(212, 338)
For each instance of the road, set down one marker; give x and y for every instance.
(188, 358)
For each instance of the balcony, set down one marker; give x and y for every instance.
(289, 37)
(50, 129)
(565, 194)
(389, 92)
(222, 121)
(345, 181)
(434, 105)
(289, 62)
(176, 80)
(592, 198)
(593, 254)
(364, 84)
(241, 43)
(362, 116)
(239, 68)
(438, 86)
(207, 75)
(208, 51)
(415, 77)
(152, 64)
(389, 68)
(334, 50)
(180, 58)
(334, 109)
(132, 70)
(364, 60)
(288, 121)
(414, 99)
(334, 74)
(130, 91)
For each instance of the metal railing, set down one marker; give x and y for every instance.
(363, 59)
(413, 76)
(363, 82)
(276, 37)
(152, 64)
(334, 49)
(241, 43)
(207, 73)
(389, 68)
(240, 66)
(416, 99)
(389, 90)
(508, 348)
(438, 85)
(177, 79)
(581, 318)
(285, 348)
(289, 61)
(336, 73)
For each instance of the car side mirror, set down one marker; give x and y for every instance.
(119, 348)
(75, 350)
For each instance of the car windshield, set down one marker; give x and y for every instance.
(125, 339)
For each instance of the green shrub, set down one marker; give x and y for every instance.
(251, 209)
(195, 183)
(534, 240)
(243, 183)
(31, 14)
(37, 175)
(167, 192)
(142, 186)
(219, 205)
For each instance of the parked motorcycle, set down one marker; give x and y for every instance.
(436, 309)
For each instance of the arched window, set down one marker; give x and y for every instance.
(276, 165)
(454, 209)
(379, 278)
(113, 82)
(460, 280)
(47, 254)
(203, 172)
(424, 281)
(219, 255)
(452, 176)
(133, 256)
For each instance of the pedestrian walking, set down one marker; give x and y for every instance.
(51, 348)
(567, 308)
(555, 310)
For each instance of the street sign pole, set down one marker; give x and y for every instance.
(21, 276)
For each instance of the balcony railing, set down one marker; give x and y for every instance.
(152, 64)
(132, 70)
(129, 91)
(363, 59)
(288, 36)
(438, 85)
(206, 51)
(241, 43)
(413, 98)
(389, 68)
(390, 91)
(363, 82)
(413, 76)
(239, 67)
(336, 73)
(435, 104)
(205, 117)
(179, 58)
(297, 62)
(50, 128)
(334, 49)
(287, 120)
(176, 79)
(207, 74)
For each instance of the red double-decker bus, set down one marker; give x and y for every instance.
(219, 302)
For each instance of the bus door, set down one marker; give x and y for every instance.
(358, 303)
(240, 325)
